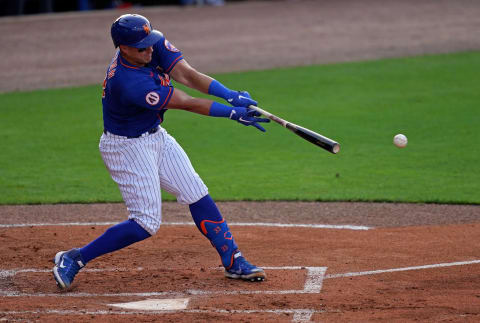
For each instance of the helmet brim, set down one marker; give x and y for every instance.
(148, 41)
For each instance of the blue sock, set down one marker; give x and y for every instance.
(205, 209)
(117, 237)
(210, 222)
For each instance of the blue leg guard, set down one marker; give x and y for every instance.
(222, 239)
(211, 223)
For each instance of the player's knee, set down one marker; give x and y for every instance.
(192, 196)
(148, 223)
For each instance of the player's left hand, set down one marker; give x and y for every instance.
(248, 117)
(241, 99)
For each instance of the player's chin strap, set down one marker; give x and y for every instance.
(221, 238)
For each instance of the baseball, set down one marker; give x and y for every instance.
(400, 140)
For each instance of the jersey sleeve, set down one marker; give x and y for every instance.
(166, 55)
(149, 95)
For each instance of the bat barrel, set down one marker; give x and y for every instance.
(307, 134)
(315, 138)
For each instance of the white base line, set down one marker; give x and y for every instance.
(156, 294)
(279, 225)
(314, 280)
(299, 315)
(13, 272)
(374, 272)
(68, 294)
(313, 284)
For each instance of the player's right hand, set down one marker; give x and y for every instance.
(241, 99)
(248, 117)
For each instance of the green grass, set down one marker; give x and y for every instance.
(49, 139)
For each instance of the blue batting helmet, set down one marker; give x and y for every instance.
(134, 31)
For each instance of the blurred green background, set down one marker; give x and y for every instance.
(49, 139)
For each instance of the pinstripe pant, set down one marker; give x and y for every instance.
(143, 166)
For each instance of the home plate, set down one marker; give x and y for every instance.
(156, 304)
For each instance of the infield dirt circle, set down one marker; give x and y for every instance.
(325, 262)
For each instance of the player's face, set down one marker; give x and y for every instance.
(137, 56)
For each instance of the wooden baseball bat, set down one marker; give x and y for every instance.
(307, 134)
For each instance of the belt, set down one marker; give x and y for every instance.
(149, 132)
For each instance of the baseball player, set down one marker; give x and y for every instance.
(142, 158)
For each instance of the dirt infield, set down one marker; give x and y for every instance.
(325, 262)
(316, 272)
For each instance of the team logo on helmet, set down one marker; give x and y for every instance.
(146, 28)
(152, 98)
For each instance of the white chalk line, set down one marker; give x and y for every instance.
(258, 224)
(313, 284)
(299, 315)
(314, 281)
(155, 294)
(374, 272)
(4, 293)
(12, 272)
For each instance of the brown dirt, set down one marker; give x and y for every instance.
(72, 49)
(178, 261)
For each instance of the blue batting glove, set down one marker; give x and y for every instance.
(240, 99)
(248, 117)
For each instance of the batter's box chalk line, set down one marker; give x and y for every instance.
(313, 284)
(299, 315)
(180, 304)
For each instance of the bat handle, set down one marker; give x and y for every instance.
(269, 115)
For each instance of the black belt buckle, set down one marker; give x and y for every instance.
(153, 130)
